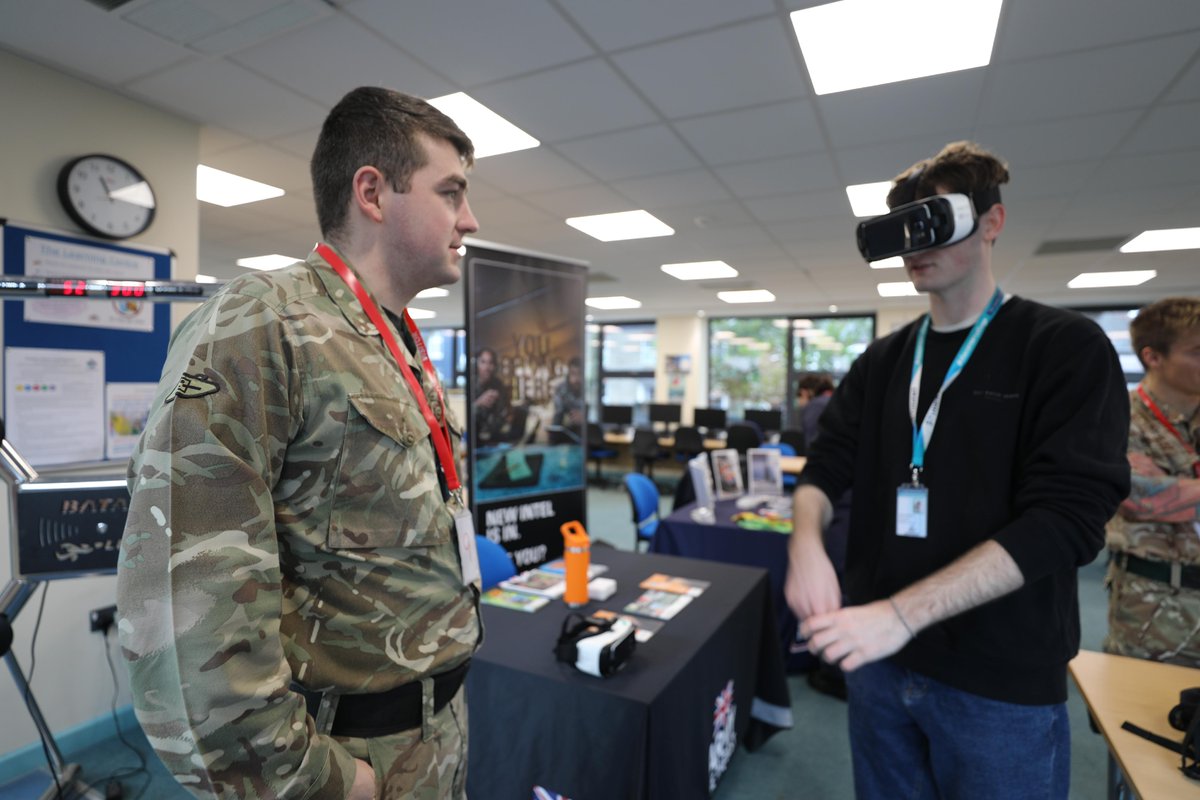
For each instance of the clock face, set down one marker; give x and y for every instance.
(106, 196)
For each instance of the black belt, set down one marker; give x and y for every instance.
(1189, 575)
(365, 716)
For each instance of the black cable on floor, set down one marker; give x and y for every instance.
(37, 624)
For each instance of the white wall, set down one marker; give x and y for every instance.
(683, 336)
(49, 118)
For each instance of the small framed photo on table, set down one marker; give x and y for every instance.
(765, 473)
(727, 475)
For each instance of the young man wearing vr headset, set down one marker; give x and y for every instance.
(985, 445)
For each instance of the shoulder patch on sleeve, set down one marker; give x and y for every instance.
(191, 386)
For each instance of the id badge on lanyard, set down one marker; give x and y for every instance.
(912, 498)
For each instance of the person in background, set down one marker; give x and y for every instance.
(955, 641)
(1154, 573)
(298, 587)
(812, 396)
(493, 400)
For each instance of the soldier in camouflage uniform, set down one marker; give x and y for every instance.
(291, 538)
(1154, 575)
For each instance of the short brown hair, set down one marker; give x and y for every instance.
(815, 382)
(377, 127)
(962, 167)
(1160, 324)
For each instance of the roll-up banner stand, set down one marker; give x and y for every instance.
(526, 417)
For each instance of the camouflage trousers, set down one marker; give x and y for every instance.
(408, 764)
(1148, 619)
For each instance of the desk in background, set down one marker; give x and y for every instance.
(645, 732)
(725, 542)
(1119, 689)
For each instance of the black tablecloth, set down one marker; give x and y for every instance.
(645, 732)
(724, 541)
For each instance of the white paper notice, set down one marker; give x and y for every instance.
(54, 404)
(50, 258)
(128, 407)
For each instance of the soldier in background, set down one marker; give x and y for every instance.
(1154, 575)
(298, 588)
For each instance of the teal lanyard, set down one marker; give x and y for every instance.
(923, 433)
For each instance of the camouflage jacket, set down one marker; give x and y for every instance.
(1158, 520)
(286, 523)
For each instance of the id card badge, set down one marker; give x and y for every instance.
(464, 526)
(912, 511)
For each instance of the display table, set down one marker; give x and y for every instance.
(1119, 689)
(647, 732)
(678, 534)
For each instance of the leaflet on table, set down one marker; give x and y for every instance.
(645, 628)
(673, 583)
(537, 581)
(518, 601)
(558, 566)
(658, 604)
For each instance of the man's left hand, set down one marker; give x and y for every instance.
(853, 636)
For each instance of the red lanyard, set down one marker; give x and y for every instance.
(1148, 401)
(437, 431)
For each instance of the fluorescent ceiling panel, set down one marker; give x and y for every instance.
(491, 133)
(1100, 280)
(700, 270)
(897, 289)
(869, 199)
(226, 189)
(273, 261)
(856, 43)
(421, 313)
(437, 291)
(621, 225)
(610, 303)
(747, 296)
(888, 263)
(1167, 239)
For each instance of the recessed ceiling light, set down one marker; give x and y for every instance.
(202, 278)
(854, 43)
(421, 313)
(747, 296)
(832, 309)
(436, 291)
(869, 199)
(621, 225)
(491, 133)
(273, 261)
(609, 303)
(1099, 280)
(226, 189)
(888, 263)
(700, 270)
(1167, 239)
(897, 289)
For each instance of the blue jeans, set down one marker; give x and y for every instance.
(912, 738)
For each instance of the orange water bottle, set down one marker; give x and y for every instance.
(576, 557)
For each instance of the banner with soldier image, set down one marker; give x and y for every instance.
(526, 414)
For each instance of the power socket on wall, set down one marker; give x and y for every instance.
(101, 619)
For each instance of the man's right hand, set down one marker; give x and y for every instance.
(364, 782)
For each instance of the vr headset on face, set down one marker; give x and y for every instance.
(937, 221)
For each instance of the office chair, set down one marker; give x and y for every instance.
(495, 564)
(688, 443)
(742, 436)
(598, 450)
(795, 437)
(789, 480)
(645, 450)
(643, 495)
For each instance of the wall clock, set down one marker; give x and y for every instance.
(106, 196)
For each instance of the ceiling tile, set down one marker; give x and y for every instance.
(907, 109)
(631, 153)
(530, 171)
(615, 24)
(1042, 28)
(741, 65)
(659, 191)
(776, 176)
(1073, 139)
(578, 201)
(1165, 128)
(776, 130)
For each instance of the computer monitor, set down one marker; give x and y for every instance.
(712, 419)
(767, 419)
(665, 412)
(616, 415)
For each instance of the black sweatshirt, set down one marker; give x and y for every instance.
(1028, 450)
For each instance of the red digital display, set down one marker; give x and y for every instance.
(79, 288)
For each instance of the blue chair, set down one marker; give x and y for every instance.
(643, 494)
(495, 565)
(789, 480)
(598, 450)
